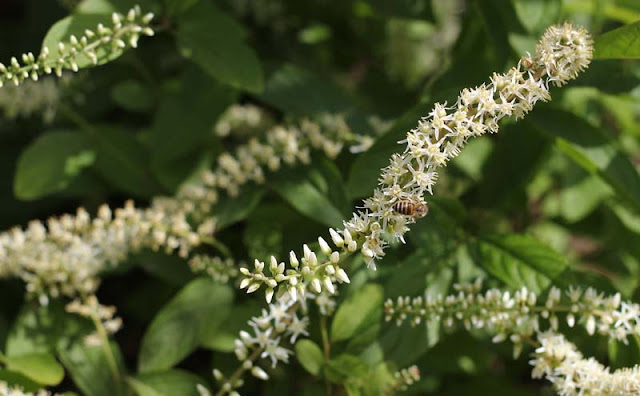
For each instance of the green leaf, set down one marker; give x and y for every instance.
(473, 157)
(326, 176)
(362, 308)
(132, 95)
(230, 210)
(592, 150)
(378, 381)
(321, 95)
(498, 19)
(620, 43)
(39, 367)
(171, 269)
(310, 356)
(173, 135)
(624, 354)
(295, 186)
(267, 230)
(222, 338)
(214, 41)
(200, 307)
(609, 76)
(519, 260)
(90, 369)
(365, 170)
(13, 378)
(76, 24)
(41, 329)
(50, 163)
(537, 15)
(166, 383)
(346, 367)
(472, 61)
(441, 231)
(580, 198)
(404, 345)
(519, 143)
(124, 162)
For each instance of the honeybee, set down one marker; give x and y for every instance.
(410, 208)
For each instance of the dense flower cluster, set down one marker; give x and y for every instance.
(560, 362)
(221, 270)
(403, 379)
(521, 314)
(564, 51)
(439, 137)
(280, 323)
(243, 120)
(93, 45)
(66, 255)
(32, 98)
(522, 317)
(306, 271)
(102, 316)
(282, 144)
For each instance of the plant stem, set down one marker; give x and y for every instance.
(222, 248)
(106, 347)
(76, 118)
(326, 346)
(234, 377)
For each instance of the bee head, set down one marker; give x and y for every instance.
(421, 210)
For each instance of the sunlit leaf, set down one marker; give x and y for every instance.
(620, 43)
(50, 163)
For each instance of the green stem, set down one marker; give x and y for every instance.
(106, 348)
(326, 346)
(76, 118)
(221, 247)
(236, 375)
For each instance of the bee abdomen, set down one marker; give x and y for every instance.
(409, 208)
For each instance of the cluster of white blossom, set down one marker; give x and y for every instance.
(32, 98)
(560, 362)
(325, 301)
(403, 379)
(439, 137)
(522, 317)
(221, 270)
(243, 120)
(95, 46)
(518, 316)
(102, 316)
(306, 274)
(280, 323)
(66, 255)
(288, 144)
(7, 390)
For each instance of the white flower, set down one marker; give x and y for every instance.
(276, 353)
(297, 327)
